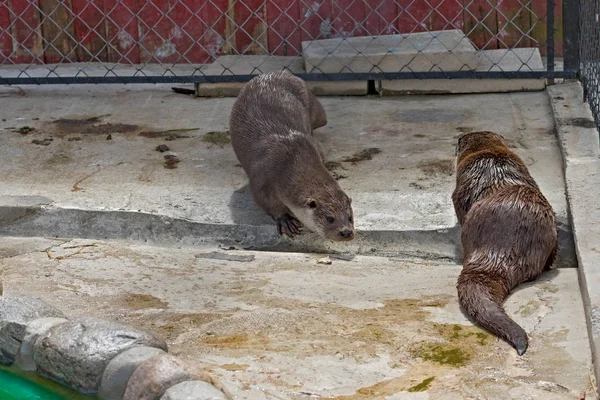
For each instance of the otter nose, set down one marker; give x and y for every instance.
(346, 233)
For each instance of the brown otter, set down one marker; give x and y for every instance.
(271, 129)
(508, 231)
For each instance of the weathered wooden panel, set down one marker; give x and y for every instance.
(251, 27)
(380, 17)
(198, 31)
(26, 32)
(214, 39)
(539, 26)
(413, 16)
(5, 38)
(514, 21)
(187, 31)
(156, 32)
(348, 18)
(285, 37)
(445, 15)
(481, 23)
(90, 30)
(316, 19)
(121, 27)
(58, 31)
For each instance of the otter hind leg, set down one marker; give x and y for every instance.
(551, 258)
(318, 118)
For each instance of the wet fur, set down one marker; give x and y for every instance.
(271, 126)
(509, 231)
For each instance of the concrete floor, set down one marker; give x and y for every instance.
(285, 326)
(380, 322)
(401, 196)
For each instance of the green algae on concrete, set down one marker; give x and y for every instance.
(423, 386)
(444, 354)
(218, 138)
(19, 385)
(457, 350)
(464, 334)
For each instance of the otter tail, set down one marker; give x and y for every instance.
(481, 295)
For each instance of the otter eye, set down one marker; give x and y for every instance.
(331, 220)
(312, 204)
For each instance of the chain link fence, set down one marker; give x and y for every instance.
(128, 41)
(590, 55)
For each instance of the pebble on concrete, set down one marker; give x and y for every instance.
(120, 369)
(153, 377)
(33, 331)
(77, 352)
(193, 390)
(15, 313)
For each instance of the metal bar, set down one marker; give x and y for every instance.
(550, 36)
(571, 36)
(306, 77)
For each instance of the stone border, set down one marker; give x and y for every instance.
(580, 146)
(93, 356)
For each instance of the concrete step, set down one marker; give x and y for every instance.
(443, 51)
(523, 59)
(121, 189)
(297, 326)
(255, 65)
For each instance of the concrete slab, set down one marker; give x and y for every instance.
(524, 59)
(284, 326)
(579, 140)
(257, 64)
(448, 50)
(120, 188)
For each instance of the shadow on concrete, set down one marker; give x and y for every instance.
(244, 210)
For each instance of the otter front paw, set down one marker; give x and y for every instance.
(287, 225)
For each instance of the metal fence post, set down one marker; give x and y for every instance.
(550, 35)
(571, 30)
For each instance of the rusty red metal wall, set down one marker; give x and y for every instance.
(196, 31)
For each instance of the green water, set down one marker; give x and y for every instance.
(18, 385)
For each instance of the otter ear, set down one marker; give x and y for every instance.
(312, 203)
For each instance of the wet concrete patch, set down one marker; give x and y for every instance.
(432, 115)
(217, 138)
(168, 135)
(43, 142)
(580, 122)
(363, 155)
(227, 257)
(91, 126)
(136, 301)
(437, 167)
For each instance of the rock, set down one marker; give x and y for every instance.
(15, 313)
(77, 352)
(193, 390)
(33, 331)
(120, 369)
(324, 260)
(152, 379)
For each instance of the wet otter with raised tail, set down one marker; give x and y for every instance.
(509, 233)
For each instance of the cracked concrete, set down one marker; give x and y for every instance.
(284, 326)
